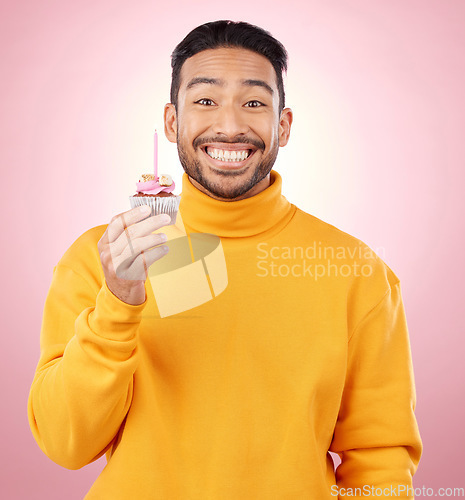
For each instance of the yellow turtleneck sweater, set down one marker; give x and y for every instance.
(305, 350)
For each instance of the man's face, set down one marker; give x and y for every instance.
(228, 127)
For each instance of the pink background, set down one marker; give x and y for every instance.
(376, 149)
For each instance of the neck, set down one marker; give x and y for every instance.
(253, 214)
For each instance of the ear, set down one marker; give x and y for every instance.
(170, 122)
(285, 123)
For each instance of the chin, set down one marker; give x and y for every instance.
(230, 190)
(227, 172)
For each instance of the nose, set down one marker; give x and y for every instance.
(230, 121)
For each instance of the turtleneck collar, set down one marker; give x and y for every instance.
(248, 217)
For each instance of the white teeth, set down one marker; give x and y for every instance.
(227, 155)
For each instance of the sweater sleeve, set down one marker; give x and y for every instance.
(82, 388)
(376, 434)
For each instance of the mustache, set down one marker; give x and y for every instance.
(237, 140)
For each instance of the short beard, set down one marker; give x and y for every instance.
(193, 170)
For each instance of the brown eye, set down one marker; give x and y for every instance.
(258, 104)
(201, 101)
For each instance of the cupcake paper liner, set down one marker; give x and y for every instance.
(159, 204)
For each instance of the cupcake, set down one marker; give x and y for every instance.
(157, 193)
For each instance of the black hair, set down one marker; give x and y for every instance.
(219, 34)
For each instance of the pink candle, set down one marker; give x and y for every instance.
(155, 152)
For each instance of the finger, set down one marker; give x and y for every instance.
(134, 249)
(122, 221)
(138, 230)
(138, 268)
(138, 245)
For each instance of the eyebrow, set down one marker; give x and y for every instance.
(216, 81)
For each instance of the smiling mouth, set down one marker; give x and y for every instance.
(227, 157)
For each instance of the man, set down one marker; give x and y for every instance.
(306, 351)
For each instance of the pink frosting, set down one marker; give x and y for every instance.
(153, 187)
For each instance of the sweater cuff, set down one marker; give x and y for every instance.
(114, 319)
